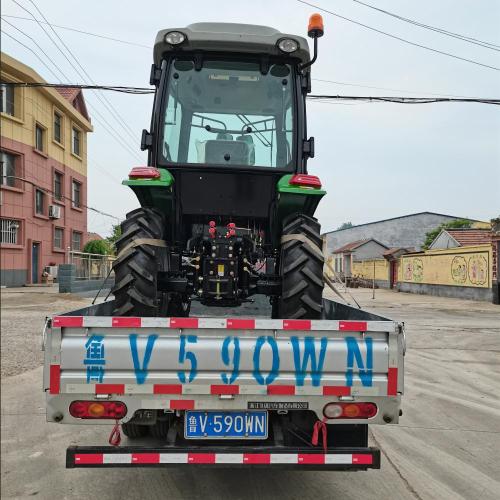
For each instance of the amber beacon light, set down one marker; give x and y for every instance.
(315, 28)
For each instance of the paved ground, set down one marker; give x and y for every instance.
(445, 447)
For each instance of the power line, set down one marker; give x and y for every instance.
(396, 99)
(30, 49)
(35, 42)
(102, 169)
(404, 100)
(391, 89)
(465, 38)
(115, 88)
(106, 102)
(84, 32)
(49, 191)
(399, 38)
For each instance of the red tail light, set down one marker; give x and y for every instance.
(350, 410)
(305, 181)
(144, 173)
(97, 409)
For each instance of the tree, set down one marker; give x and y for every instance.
(454, 224)
(116, 233)
(101, 247)
(345, 225)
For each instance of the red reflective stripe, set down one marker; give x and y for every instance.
(336, 390)
(201, 458)
(55, 379)
(75, 321)
(88, 458)
(362, 459)
(124, 322)
(240, 324)
(224, 389)
(392, 382)
(183, 322)
(145, 458)
(167, 389)
(256, 458)
(353, 326)
(281, 390)
(182, 404)
(110, 388)
(311, 458)
(296, 324)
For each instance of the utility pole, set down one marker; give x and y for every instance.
(373, 281)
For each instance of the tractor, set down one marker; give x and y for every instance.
(226, 202)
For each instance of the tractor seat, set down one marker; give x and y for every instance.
(224, 136)
(227, 152)
(248, 139)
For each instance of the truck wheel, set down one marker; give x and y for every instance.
(136, 268)
(301, 269)
(179, 306)
(134, 431)
(159, 430)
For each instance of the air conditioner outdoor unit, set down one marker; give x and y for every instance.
(54, 212)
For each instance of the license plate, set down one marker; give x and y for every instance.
(225, 425)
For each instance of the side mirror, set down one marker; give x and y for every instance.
(154, 77)
(308, 148)
(146, 140)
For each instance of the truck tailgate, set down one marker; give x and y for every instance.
(222, 363)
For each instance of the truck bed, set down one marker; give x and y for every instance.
(210, 363)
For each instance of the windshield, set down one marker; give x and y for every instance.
(228, 113)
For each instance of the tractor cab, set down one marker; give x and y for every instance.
(231, 96)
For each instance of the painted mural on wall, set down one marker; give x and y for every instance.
(458, 268)
(413, 270)
(366, 268)
(478, 270)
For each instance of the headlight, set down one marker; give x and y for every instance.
(175, 37)
(288, 45)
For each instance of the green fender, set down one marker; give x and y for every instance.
(293, 199)
(155, 193)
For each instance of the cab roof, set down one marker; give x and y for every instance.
(229, 37)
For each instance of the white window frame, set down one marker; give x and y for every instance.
(73, 233)
(10, 231)
(3, 91)
(80, 189)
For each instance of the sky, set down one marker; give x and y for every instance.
(376, 160)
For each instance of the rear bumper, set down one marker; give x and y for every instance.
(224, 456)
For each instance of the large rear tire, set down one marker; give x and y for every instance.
(136, 268)
(301, 269)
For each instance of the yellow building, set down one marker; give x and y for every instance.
(43, 173)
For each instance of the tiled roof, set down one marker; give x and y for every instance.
(392, 251)
(470, 237)
(68, 94)
(75, 97)
(94, 236)
(350, 246)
